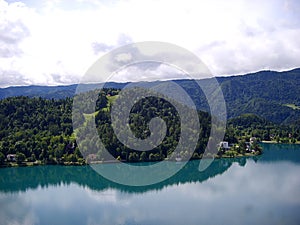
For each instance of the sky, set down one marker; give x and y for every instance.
(55, 42)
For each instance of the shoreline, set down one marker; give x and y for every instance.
(32, 164)
(38, 163)
(281, 143)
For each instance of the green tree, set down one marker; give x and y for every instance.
(255, 146)
(242, 147)
(2, 158)
(32, 158)
(133, 157)
(20, 157)
(143, 156)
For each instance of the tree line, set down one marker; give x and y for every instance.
(40, 130)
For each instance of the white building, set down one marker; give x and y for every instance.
(11, 157)
(224, 145)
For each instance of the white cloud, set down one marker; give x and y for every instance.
(52, 42)
(123, 57)
(147, 71)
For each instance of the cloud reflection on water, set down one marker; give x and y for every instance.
(257, 193)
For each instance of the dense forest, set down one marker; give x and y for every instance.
(139, 118)
(40, 131)
(274, 96)
(251, 125)
(37, 129)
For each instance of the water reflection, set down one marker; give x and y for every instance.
(22, 179)
(263, 190)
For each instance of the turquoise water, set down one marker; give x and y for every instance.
(257, 190)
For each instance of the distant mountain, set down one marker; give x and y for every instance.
(49, 92)
(271, 95)
(274, 96)
(57, 92)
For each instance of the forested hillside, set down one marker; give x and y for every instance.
(37, 129)
(251, 125)
(40, 131)
(274, 96)
(267, 94)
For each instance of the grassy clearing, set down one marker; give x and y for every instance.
(91, 116)
(111, 100)
(293, 106)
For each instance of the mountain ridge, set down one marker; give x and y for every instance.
(264, 93)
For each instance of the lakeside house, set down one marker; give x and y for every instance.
(224, 145)
(250, 143)
(252, 140)
(11, 157)
(249, 146)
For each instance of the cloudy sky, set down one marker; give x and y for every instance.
(55, 41)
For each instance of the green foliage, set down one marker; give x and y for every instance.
(140, 116)
(20, 157)
(36, 129)
(40, 130)
(231, 153)
(256, 147)
(250, 125)
(133, 157)
(273, 96)
(2, 158)
(143, 157)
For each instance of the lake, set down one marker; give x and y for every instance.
(254, 190)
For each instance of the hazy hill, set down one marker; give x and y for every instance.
(272, 95)
(49, 92)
